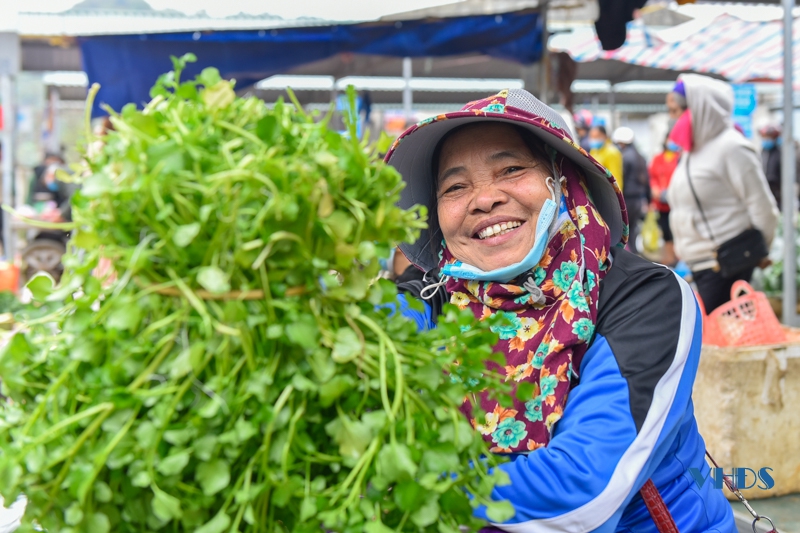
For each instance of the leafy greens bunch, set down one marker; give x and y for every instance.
(245, 371)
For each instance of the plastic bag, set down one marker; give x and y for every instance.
(651, 232)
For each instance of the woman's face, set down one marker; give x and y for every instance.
(490, 191)
(673, 107)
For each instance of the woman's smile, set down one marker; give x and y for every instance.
(493, 232)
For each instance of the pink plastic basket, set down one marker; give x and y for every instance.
(747, 320)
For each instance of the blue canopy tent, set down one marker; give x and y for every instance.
(126, 66)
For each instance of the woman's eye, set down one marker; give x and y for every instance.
(453, 188)
(513, 170)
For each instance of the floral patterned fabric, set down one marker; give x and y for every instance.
(543, 343)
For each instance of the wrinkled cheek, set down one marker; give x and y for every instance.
(451, 217)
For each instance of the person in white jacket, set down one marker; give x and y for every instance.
(728, 180)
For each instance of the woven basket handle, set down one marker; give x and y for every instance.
(741, 287)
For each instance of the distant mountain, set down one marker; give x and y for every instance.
(127, 5)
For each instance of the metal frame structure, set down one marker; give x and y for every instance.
(788, 188)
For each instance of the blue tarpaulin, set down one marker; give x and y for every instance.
(126, 66)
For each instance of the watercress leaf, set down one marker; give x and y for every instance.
(395, 463)
(173, 464)
(333, 389)
(213, 279)
(499, 512)
(213, 476)
(218, 524)
(184, 235)
(427, 514)
(41, 285)
(346, 347)
(165, 506)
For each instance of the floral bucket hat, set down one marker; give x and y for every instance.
(412, 154)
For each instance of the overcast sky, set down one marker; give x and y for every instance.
(327, 9)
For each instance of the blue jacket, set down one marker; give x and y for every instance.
(628, 420)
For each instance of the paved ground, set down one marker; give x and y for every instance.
(784, 511)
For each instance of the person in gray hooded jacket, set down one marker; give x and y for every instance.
(730, 190)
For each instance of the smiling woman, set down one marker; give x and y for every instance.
(600, 345)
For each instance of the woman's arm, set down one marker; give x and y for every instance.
(618, 424)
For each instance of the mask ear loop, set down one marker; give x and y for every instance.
(433, 288)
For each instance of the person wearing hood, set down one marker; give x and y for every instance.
(526, 224)
(718, 191)
(637, 183)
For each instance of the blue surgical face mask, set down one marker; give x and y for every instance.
(768, 144)
(505, 274)
(673, 147)
(53, 186)
(596, 144)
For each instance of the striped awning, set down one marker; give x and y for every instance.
(735, 49)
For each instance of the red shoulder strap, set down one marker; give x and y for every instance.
(658, 509)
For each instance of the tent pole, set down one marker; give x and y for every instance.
(544, 62)
(788, 192)
(408, 98)
(6, 95)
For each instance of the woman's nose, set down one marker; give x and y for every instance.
(487, 197)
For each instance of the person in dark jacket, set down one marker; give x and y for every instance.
(771, 146)
(636, 187)
(524, 223)
(771, 158)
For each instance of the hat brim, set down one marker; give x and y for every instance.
(412, 157)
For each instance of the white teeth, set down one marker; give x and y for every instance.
(498, 229)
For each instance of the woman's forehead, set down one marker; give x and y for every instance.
(484, 140)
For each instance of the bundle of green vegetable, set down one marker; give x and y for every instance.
(241, 374)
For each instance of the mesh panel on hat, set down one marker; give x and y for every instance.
(524, 100)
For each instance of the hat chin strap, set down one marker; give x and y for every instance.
(544, 223)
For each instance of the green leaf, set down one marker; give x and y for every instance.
(218, 524)
(165, 506)
(346, 346)
(427, 514)
(441, 458)
(204, 447)
(461, 437)
(308, 508)
(173, 464)
(98, 523)
(213, 280)
(184, 235)
(218, 96)
(499, 512)
(213, 476)
(303, 332)
(102, 492)
(395, 463)
(124, 318)
(409, 495)
(525, 391)
(351, 436)
(209, 77)
(73, 515)
(338, 385)
(41, 285)
(376, 527)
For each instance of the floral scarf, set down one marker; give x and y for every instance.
(545, 342)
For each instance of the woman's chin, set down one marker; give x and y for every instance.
(488, 263)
